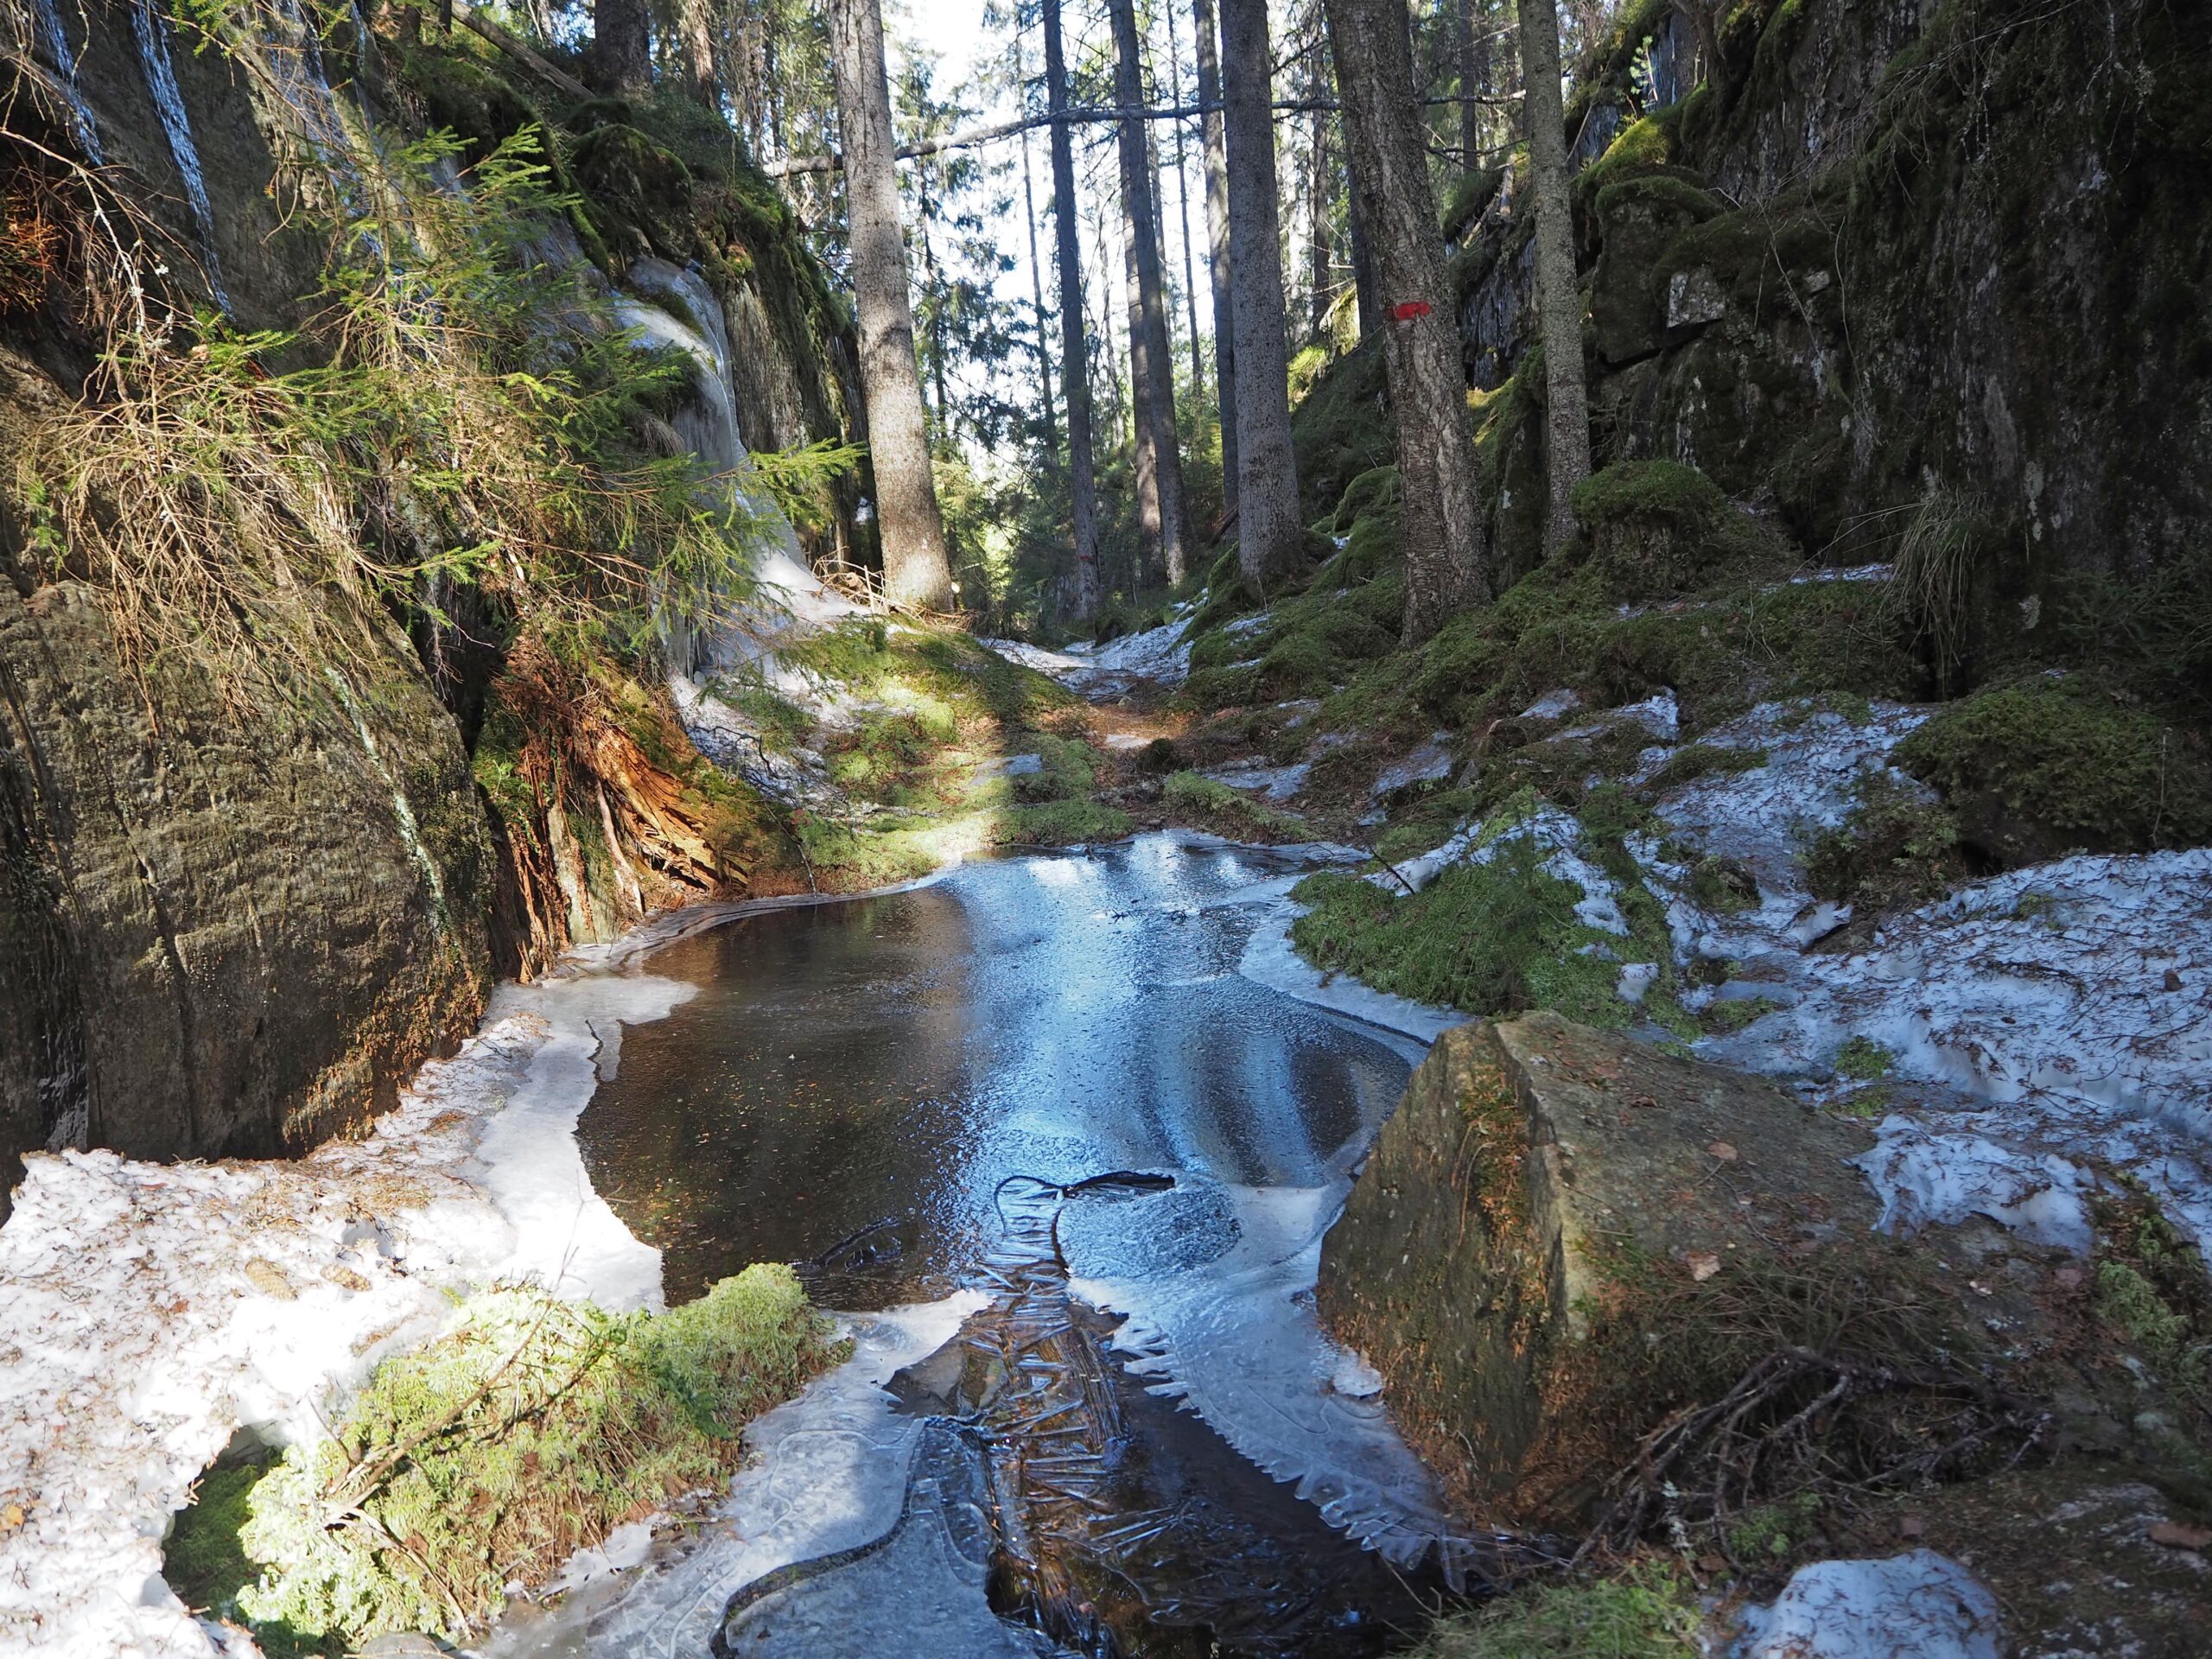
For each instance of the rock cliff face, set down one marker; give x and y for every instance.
(231, 924)
(1894, 255)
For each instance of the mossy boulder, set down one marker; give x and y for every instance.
(1539, 1183)
(1656, 528)
(2053, 765)
(1639, 218)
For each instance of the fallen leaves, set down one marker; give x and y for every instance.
(1702, 1264)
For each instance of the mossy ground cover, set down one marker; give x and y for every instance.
(531, 1428)
(2049, 765)
(1648, 1611)
(1238, 814)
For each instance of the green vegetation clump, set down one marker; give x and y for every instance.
(1694, 761)
(1893, 850)
(1342, 428)
(1864, 1060)
(2050, 766)
(1232, 813)
(531, 1429)
(1489, 938)
(1657, 527)
(1648, 1611)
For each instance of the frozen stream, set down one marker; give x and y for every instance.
(898, 1092)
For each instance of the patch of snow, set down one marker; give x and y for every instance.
(1924, 1177)
(1275, 783)
(1428, 762)
(1159, 654)
(1558, 835)
(1815, 760)
(1636, 978)
(151, 1311)
(1917, 1606)
(1124, 742)
(1553, 705)
(1039, 657)
(1848, 573)
(1012, 766)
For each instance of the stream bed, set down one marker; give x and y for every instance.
(1065, 1172)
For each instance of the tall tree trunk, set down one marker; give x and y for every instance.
(1151, 360)
(1319, 194)
(1183, 209)
(1439, 515)
(1217, 260)
(1473, 66)
(694, 30)
(1559, 300)
(1268, 534)
(1075, 359)
(1364, 278)
(1036, 268)
(915, 570)
(622, 46)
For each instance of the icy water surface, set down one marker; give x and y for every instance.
(894, 1059)
(1070, 1172)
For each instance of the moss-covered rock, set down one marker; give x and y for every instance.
(1655, 527)
(2049, 766)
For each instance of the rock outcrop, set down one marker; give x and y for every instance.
(1899, 258)
(232, 918)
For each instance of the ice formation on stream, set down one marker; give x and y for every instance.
(154, 1311)
(1236, 1339)
(1161, 655)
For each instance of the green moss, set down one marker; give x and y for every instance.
(1649, 1612)
(1864, 1060)
(1373, 491)
(1489, 938)
(1058, 823)
(1342, 429)
(1657, 527)
(2043, 768)
(1469, 193)
(1771, 1531)
(1733, 1014)
(1232, 813)
(1893, 850)
(491, 1454)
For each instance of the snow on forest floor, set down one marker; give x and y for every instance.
(1161, 655)
(152, 1312)
(2030, 1028)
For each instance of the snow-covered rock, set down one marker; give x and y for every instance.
(1917, 1605)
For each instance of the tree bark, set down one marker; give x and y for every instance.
(1183, 211)
(1439, 513)
(1152, 362)
(1075, 359)
(915, 569)
(1218, 262)
(1036, 268)
(694, 28)
(1270, 534)
(1319, 208)
(622, 46)
(1472, 67)
(1558, 299)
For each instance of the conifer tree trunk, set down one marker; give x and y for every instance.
(915, 569)
(1152, 362)
(1269, 531)
(1075, 358)
(694, 28)
(1036, 272)
(1473, 66)
(1559, 300)
(1217, 260)
(622, 46)
(1182, 210)
(1319, 198)
(1439, 514)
